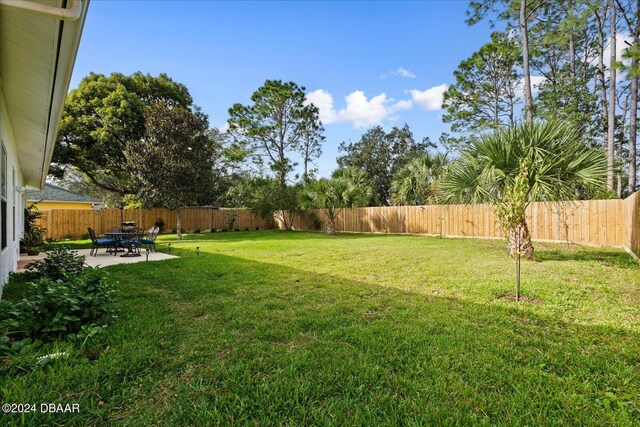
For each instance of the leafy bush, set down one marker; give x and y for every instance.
(159, 223)
(60, 264)
(77, 307)
(230, 220)
(313, 221)
(33, 233)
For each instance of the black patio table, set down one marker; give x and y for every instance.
(127, 239)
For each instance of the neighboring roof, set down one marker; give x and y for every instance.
(53, 193)
(39, 42)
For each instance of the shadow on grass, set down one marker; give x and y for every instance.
(218, 339)
(607, 257)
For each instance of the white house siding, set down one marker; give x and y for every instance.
(14, 197)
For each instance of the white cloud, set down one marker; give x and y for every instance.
(363, 112)
(405, 104)
(621, 38)
(324, 101)
(399, 72)
(536, 81)
(430, 99)
(224, 128)
(359, 110)
(403, 72)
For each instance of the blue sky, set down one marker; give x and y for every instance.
(362, 63)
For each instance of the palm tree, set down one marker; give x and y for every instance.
(549, 158)
(333, 195)
(417, 182)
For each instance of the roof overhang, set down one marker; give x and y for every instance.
(61, 201)
(39, 42)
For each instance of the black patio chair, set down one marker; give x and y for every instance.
(97, 243)
(149, 241)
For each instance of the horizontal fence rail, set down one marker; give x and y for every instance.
(68, 223)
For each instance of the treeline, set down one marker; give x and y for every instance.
(574, 61)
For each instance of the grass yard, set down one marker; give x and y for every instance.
(273, 327)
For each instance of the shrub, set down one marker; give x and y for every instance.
(313, 221)
(33, 233)
(159, 223)
(60, 264)
(77, 307)
(230, 220)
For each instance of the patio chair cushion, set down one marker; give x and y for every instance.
(105, 241)
(147, 241)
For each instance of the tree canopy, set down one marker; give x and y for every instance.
(380, 155)
(484, 95)
(333, 195)
(556, 163)
(173, 160)
(417, 182)
(276, 125)
(102, 117)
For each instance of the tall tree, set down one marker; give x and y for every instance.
(563, 49)
(381, 155)
(524, 39)
(101, 117)
(173, 162)
(484, 94)
(517, 13)
(311, 149)
(631, 14)
(276, 125)
(611, 128)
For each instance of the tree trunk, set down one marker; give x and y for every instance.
(524, 35)
(633, 135)
(623, 123)
(330, 226)
(601, 76)
(526, 247)
(633, 131)
(612, 95)
(179, 223)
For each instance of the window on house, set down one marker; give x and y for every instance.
(3, 196)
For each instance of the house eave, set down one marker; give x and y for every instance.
(39, 53)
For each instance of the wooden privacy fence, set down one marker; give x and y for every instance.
(590, 222)
(63, 223)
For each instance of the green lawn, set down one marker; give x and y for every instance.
(302, 328)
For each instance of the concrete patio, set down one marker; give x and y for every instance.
(102, 259)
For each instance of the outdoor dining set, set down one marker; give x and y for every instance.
(128, 240)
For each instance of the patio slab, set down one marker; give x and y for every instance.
(104, 259)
